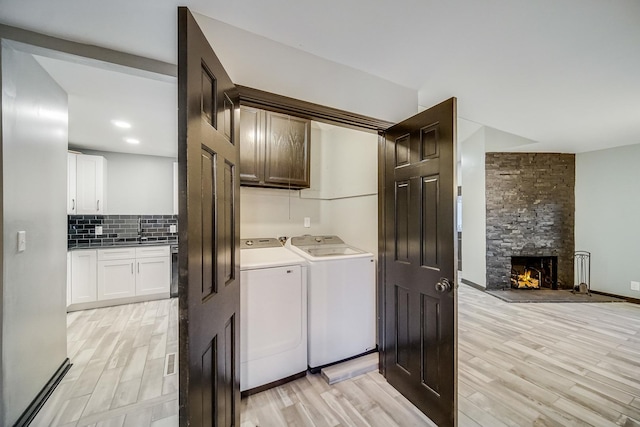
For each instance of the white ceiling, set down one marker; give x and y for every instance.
(97, 96)
(564, 74)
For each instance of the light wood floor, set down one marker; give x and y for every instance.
(553, 364)
(117, 378)
(542, 364)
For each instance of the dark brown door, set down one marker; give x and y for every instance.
(419, 261)
(209, 288)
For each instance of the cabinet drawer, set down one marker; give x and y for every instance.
(152, 251)
(116, 253)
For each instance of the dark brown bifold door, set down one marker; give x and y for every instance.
(209, 287)
(419, 260)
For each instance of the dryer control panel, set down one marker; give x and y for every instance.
(316, 240)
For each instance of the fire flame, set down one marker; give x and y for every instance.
(526, 281)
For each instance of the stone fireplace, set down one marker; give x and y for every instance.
(530, 213)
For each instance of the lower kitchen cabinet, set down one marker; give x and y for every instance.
(154, 275)
(68, 278)
(116, 275)
(116, 279)
(153, 270)
(126, 274)
(83, 276)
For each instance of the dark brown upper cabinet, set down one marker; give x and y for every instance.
(274, 149)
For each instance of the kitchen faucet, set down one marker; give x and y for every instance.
(140, 229)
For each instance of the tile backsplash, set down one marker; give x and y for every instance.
(119, 230)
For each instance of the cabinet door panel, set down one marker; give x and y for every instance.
(251, 145)
(90, 184)
(116, 279)
(83, 276)
(153, 275)
(72, 198)
(287, 150)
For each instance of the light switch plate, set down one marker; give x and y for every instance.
(307, 222)
(22, 241)
(173, 228)
(635, 286)
(98, 230)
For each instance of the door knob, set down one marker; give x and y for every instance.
(443, 285)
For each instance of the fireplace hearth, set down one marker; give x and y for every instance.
(534, 272)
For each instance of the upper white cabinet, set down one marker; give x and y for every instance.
(90, 185)
(72, 197)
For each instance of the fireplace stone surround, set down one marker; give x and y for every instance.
(530, 207)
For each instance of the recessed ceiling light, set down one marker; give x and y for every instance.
(132, 140)
(121, 124)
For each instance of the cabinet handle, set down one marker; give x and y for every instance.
(131, 268)
(98, 206)
(73, 204)
(138, 268)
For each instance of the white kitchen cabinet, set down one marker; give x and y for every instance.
(72, 198)
(127, 274)
(91, 184)
(116, 275)
(83, 276)
(68, 278)
(153, 268)
(152, 251)
(153, 275)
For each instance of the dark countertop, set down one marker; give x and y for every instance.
(124, 244)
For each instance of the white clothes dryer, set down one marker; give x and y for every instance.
(341, 301)
(273, 315)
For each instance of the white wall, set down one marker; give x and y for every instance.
(607, 225)
(474, 215)
(257, 62)
(266, 212)
(344, 163)
(138, 184)
(345, 176)
(34, 158)
(355, 220)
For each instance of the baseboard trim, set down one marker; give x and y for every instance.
(473, 285)
(628, 299)
(34, 407)
(273, 384)
(116, 301)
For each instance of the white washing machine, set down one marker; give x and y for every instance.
(273, 315)
(342, 299)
